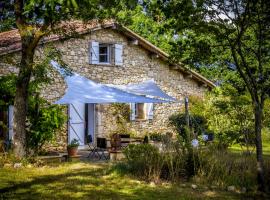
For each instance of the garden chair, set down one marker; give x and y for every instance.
(99, 150)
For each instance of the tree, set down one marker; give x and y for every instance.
(35, 19)
(240, 31)
(154, 30)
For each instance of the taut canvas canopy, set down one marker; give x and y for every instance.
(146, 88)
(83, 90)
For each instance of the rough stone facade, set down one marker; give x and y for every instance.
(138, 66)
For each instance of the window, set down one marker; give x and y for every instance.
(105, 53)
(141, 111)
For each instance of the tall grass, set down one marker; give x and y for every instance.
(224, 168)
(207, 165)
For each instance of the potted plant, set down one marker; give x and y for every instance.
(72, 148)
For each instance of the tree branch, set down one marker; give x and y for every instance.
(18, 8)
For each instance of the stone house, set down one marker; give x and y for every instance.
(111, 54)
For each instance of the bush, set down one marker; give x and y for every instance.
(157, 137)
(144, 160)
(197, 123)
(208, 165)
(173, 163)
(44, 121)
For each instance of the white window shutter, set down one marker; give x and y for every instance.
(150, 110)
(94, 52)
(10, 122)
(132, 111)
(118, 48)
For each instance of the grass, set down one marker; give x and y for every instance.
(93, 181)
(266, 144)
(237, 148)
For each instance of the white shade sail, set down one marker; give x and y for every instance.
(147, 88)
(80, 89)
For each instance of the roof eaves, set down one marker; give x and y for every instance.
(143, 42)
(146, 44)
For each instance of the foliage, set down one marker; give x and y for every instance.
(73, 143)
(153, 29)
(197, 122)
(43, 119)
(121, 113)
(144, 160)
(7, 89)
(229, 117)
(226, 168)
(207, 164)
(44, 123)
(37, 19)
(155, 136)
(240, 38)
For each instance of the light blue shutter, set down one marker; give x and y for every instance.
(10, 122)
(132, 111)
(118, 48)
(94, 52)
(76, 129)
(150, 110)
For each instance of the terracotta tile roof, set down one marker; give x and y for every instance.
(10, 41)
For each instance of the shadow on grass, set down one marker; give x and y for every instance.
(100, 183)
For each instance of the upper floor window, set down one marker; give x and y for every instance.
(103, 53)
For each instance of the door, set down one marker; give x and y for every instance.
(76, 127)
(91, 120)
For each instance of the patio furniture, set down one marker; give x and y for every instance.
(125, 140)
(90, 144)
(100, 149)
(115, 142)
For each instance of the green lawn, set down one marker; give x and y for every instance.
(266, 148)
(93, 181)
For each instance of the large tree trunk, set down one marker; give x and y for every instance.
(258, 110)
(21, 101)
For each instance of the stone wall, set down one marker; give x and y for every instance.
(138, 66)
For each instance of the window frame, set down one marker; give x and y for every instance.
(108, 55)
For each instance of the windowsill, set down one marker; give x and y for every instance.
(107, 64)
(141, 120)
(104, 64)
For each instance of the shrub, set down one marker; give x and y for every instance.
(172, 163)
(44, 121)
(157, 137)
(197, 123)
(144, 160)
